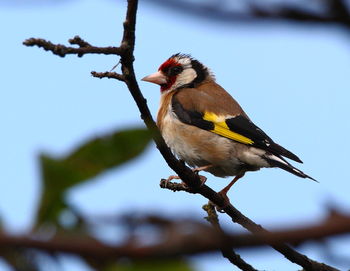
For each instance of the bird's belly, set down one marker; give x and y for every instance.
(199, 147)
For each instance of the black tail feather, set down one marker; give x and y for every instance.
(287, 167)
(279, 150)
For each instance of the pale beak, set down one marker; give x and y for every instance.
(156, 78)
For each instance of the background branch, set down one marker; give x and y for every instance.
(325, 12)
(182, 237)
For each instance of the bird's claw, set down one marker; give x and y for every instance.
(169, 179)
(198, 169)
(202, 178)
(227, 202)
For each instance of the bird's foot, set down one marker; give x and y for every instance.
(203, 179)
(170, 178)
(223, 194)
(197, 169)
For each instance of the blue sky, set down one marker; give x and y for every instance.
(292, 80)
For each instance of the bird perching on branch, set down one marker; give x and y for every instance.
(204, 126)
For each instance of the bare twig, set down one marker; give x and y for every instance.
(62, 50)
(79, 41)
(227, 252)
(114, 75)
(173, 186)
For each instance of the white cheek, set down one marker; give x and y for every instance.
(186, 77)
(184, 61)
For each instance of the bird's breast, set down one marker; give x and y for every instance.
(199, 147)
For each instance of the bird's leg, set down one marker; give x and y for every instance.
(201, 177)
(197, 169)
(170, 178)
(174, 177)
(224, 191)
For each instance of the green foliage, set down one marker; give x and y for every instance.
(87, 161)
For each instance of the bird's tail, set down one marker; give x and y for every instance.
(276, 161)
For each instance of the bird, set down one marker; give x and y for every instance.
(205, 127)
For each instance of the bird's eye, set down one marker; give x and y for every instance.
(175, 70)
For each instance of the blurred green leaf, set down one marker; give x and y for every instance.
(86, 162)
(159, 265)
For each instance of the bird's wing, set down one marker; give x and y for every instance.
(235, 127)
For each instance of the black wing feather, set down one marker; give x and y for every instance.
(245, 127)
(238, 124)
(194, 118)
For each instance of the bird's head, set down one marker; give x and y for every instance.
(179, 71)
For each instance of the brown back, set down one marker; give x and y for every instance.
(211, 97)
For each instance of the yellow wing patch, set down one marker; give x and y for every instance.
(221, 128)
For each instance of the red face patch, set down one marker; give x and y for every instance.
(167, 65)
(165, 68)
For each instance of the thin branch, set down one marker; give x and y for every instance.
(227, 252)
(109, 75)
(62, 50)
(173, 186)
(79, 41)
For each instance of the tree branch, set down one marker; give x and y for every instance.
(226, 251)
(109, 75)
(62, 50)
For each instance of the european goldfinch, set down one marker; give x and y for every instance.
(205, 127)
